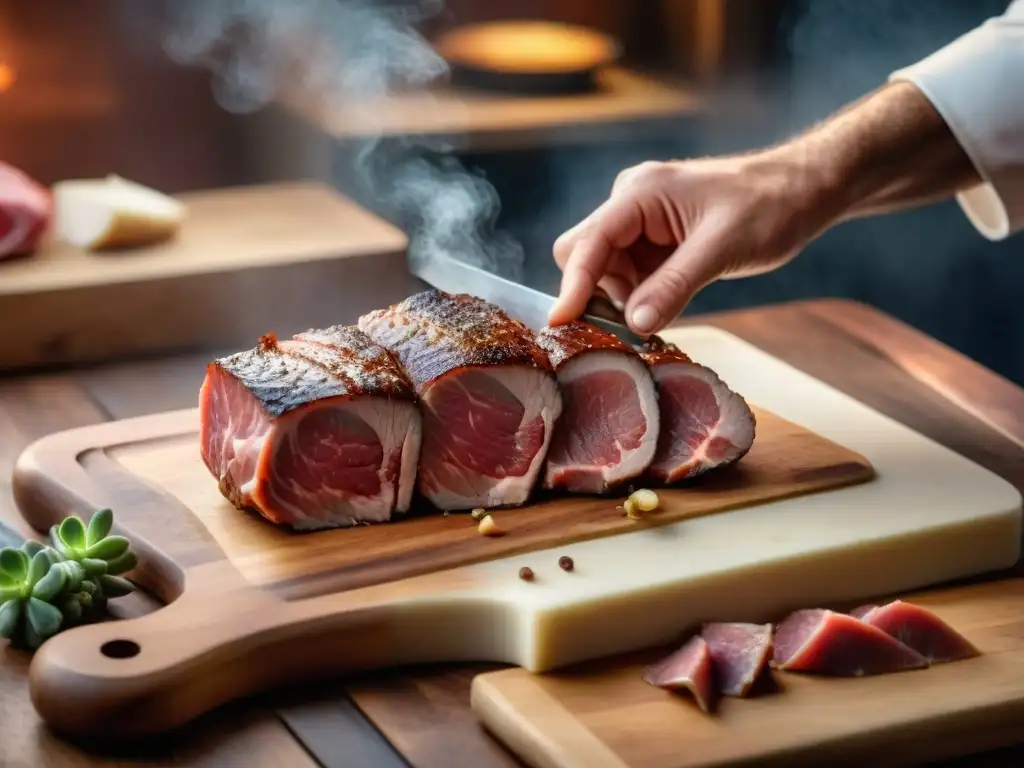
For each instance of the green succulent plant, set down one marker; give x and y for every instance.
(44, 590)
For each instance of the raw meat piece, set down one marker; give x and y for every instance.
(608, 430)
(26, 208)
(828, 643)
(488, 394)
(920, 629)
(689, 669)
(704, 424)
(739, 653)
(320, 431)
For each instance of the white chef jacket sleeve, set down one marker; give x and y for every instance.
(977, 84)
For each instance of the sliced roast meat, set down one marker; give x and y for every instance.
(920, 629)
(689, 669)
(26, 208)
(488, 394)
(739, 653)
(704, 424)
(608, 430)
(319, 431)
(824, 642)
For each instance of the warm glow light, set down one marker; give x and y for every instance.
(6, 77)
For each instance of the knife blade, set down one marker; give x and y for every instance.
(521, 302)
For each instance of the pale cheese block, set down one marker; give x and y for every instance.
(113, 212)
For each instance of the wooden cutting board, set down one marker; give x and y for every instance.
(249, 259)
(255, 606)
(602, 714)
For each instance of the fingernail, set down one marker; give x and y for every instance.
(645, 318)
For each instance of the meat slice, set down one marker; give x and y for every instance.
(690, 669)
(320, 431)
(487, 392)
(26, 208)
(920, 629)
(828, 643)
(608, 430)
(739, 653)
(704, 424)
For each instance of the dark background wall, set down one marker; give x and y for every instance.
(928, 267)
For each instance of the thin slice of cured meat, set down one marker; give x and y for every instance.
(689, 669)
(704, 424)
(26, 209)
(608, 431)
(824, 642)
(319, 431)
(920, 629)
(739, 654)
(488, 394)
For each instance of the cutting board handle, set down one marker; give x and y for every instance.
(137, 677)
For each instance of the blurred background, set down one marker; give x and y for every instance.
(201, 94)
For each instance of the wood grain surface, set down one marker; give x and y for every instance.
(604, 715)
(424, 710)
(286, 248)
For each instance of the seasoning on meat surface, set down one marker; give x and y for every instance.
(828, 643)
(739, 653)
(688, 668)
(608, 431)
(487, 392)
(704, 424)
(26, 209)
(319, 431)
(920, 629)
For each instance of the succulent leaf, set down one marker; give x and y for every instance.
(44, 618)
(32, 640)
(93, 566)
(73, 574)
(14, 563)
(115, 586)
(122, 563)
(10, 592)
(72, 533)
(71, 607)
(100, 524)
(52, 583)
(38, 567)
(109, 548)
(10, 612)
(32, 546)
(58, 544)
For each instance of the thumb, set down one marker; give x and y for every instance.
(659, 299)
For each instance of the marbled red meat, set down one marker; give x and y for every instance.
(704, 424)
(920, 629)
(828, 643)
(739, 653)
(26, 208)
(688, 668)
(608, 430)
(320, 431)
(488, 394)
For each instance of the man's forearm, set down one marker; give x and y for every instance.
(887, 151)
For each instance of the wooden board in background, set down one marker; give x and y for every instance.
(602, 715)
(280, 257)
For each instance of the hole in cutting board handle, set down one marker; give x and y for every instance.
(120, 649)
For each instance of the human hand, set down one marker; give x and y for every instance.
(669, 229)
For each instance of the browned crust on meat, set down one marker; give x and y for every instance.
(340, 361)
(433, 333)
(657, 351)
(564, 342)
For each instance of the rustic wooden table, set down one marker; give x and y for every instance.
(421, 716)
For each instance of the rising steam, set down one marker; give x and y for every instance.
(351, 53)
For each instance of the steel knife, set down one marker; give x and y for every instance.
(521, 302)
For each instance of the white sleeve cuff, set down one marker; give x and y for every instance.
(977, 84)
